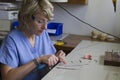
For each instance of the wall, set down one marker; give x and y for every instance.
(98, 13)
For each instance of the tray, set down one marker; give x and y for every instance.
(112, 59)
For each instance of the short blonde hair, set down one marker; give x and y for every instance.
(31, 7)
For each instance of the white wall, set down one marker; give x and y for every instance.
(98, 13)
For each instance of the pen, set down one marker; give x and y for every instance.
(68, 68)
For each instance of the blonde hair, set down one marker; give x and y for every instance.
(31, 7)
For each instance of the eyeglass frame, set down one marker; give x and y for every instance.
(40, 21)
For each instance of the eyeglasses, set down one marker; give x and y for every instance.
(40, 21)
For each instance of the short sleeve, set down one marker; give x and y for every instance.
(8, 53)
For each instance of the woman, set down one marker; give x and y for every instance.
(26, 49)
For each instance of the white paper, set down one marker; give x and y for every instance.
(51, 31)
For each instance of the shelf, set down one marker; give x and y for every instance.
(78, 1)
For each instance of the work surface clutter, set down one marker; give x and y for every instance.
(86, 62)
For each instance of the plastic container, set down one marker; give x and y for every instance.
(55, 29)
(15, 25)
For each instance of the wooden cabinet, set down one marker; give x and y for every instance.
(69, 1)
(78, 1)
(7, 0)
(71, 41)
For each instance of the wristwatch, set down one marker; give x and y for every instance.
(35, 62)
(38, 66)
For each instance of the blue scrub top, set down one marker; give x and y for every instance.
(16, 50)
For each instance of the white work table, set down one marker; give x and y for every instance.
(78, 68)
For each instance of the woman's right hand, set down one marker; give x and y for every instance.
(51, 60)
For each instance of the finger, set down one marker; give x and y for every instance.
(50, 61)
(55, 59)
(59, 52)
(63, 60)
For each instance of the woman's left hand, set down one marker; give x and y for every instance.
(61, 56)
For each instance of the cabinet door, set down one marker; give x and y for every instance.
(78, 1)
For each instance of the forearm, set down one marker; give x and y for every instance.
(18, 73)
